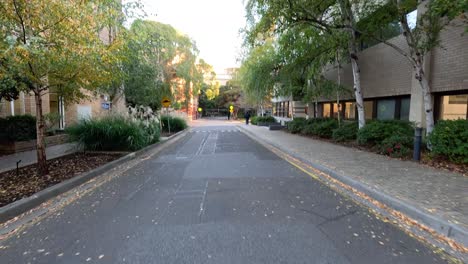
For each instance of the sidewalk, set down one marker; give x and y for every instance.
(436, 193)
(29, 157)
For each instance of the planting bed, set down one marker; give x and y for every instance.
(14, 187)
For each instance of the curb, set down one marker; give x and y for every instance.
(14, 209)
(439, 225)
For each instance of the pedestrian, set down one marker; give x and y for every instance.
(247, 117)
(229, 115)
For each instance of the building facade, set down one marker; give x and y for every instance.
(389, 88)
(96, 104)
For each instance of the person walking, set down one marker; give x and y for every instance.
(247, 117)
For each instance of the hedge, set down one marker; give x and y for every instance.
(18, 128)
(176, 124)
(450, 138)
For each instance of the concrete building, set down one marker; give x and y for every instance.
(389, 88)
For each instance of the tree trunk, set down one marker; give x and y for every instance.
(338, 92)
(40, 137)
(358, 93)
(428, 105)
(316, 108)
(348, 17)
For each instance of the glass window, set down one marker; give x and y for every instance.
(369, 109)
(386, 109)
(405, 109)
(336, 108)
(326, 110)
(454, 107)
(350, 110)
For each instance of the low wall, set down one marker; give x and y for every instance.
(20, 146)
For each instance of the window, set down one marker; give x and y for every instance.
(454, 107)
(386, 109)
(405, 109)
(369, 109)
(350, 110)
(326, 110)
(336, 109)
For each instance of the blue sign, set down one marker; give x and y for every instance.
(105, 106)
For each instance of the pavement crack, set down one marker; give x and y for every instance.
(336, 218)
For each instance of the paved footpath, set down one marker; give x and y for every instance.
(8, 162)
(215, 196)
(440, 193)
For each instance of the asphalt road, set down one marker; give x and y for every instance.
(215, 196)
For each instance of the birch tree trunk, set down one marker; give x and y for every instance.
(40, 136)
(427, 97)
(348, 17)
(416, 58)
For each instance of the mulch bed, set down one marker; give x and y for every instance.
(13, 187)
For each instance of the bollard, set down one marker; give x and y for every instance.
(417, 144)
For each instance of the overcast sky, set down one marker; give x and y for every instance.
(213, 24)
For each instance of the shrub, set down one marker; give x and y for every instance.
(325, 128)
(265, 119)
(262, 119)
(322, 127)
(450, 138)
(375, 132)
(18, 128)
(396, 146)
(254, 120)
(113, 133)
(309, 130)
(176, 124)
(296, 125)
(346, 132)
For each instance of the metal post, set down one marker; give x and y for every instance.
(417, 144)
(168, 123)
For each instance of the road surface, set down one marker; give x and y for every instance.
(215, 196)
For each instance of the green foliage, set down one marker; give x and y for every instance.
(255, 73)
(390, 137)
(346, 132)
(158, 57)
(450, 138)
(262, 119)
(322, 127)
(114, 133)
(398, 145)
(296, 125)
(377, 131)
(17, 128)
(176, 124)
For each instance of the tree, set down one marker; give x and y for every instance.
(328, 17)
(52, 45)
(161, 59)
(436, 15)
(257, 75)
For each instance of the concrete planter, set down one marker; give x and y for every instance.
(20, 146)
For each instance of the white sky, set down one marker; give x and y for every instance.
(213, 24)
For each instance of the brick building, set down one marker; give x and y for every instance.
(52, 102)
(389, 88)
